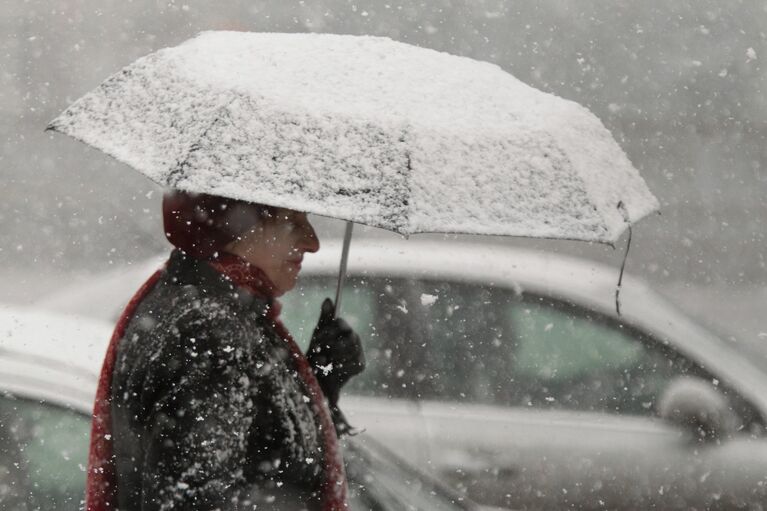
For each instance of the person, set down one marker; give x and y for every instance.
(205, 401)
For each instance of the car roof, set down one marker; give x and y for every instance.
(570, 278)
(50, 356)
(573, 280)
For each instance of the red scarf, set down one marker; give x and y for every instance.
(101, 489)
(101, 485)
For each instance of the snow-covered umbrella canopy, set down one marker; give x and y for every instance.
(364, 129)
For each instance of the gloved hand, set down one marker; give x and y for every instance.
(335, 355)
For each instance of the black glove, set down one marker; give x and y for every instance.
(335, 355)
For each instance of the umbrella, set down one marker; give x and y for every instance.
(365, 129)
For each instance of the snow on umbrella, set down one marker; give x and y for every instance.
(364, 129)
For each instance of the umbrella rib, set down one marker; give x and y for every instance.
(176, 174)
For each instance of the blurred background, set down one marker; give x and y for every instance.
(680, 84)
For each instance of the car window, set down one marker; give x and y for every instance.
(14, 483)
(370, 307)
(416, 335)
(567, 357)
(384, 311)
(460, 330)
(52, 451)
(515, 350)
(510, 349)
(301, 307)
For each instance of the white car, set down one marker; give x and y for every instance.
(509, 373)
(49, 367)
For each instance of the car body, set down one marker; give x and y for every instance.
(509, 373)
(49, 366)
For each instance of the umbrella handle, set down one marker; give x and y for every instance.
(342, 268)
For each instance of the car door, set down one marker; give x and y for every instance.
(561, 410)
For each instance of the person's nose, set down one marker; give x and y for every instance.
(309, 241)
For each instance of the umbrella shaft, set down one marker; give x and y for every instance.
(342, 268)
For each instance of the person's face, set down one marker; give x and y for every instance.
(277, 245)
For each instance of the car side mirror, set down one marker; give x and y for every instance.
(698, 408)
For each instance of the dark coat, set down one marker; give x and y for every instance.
(208, 410)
